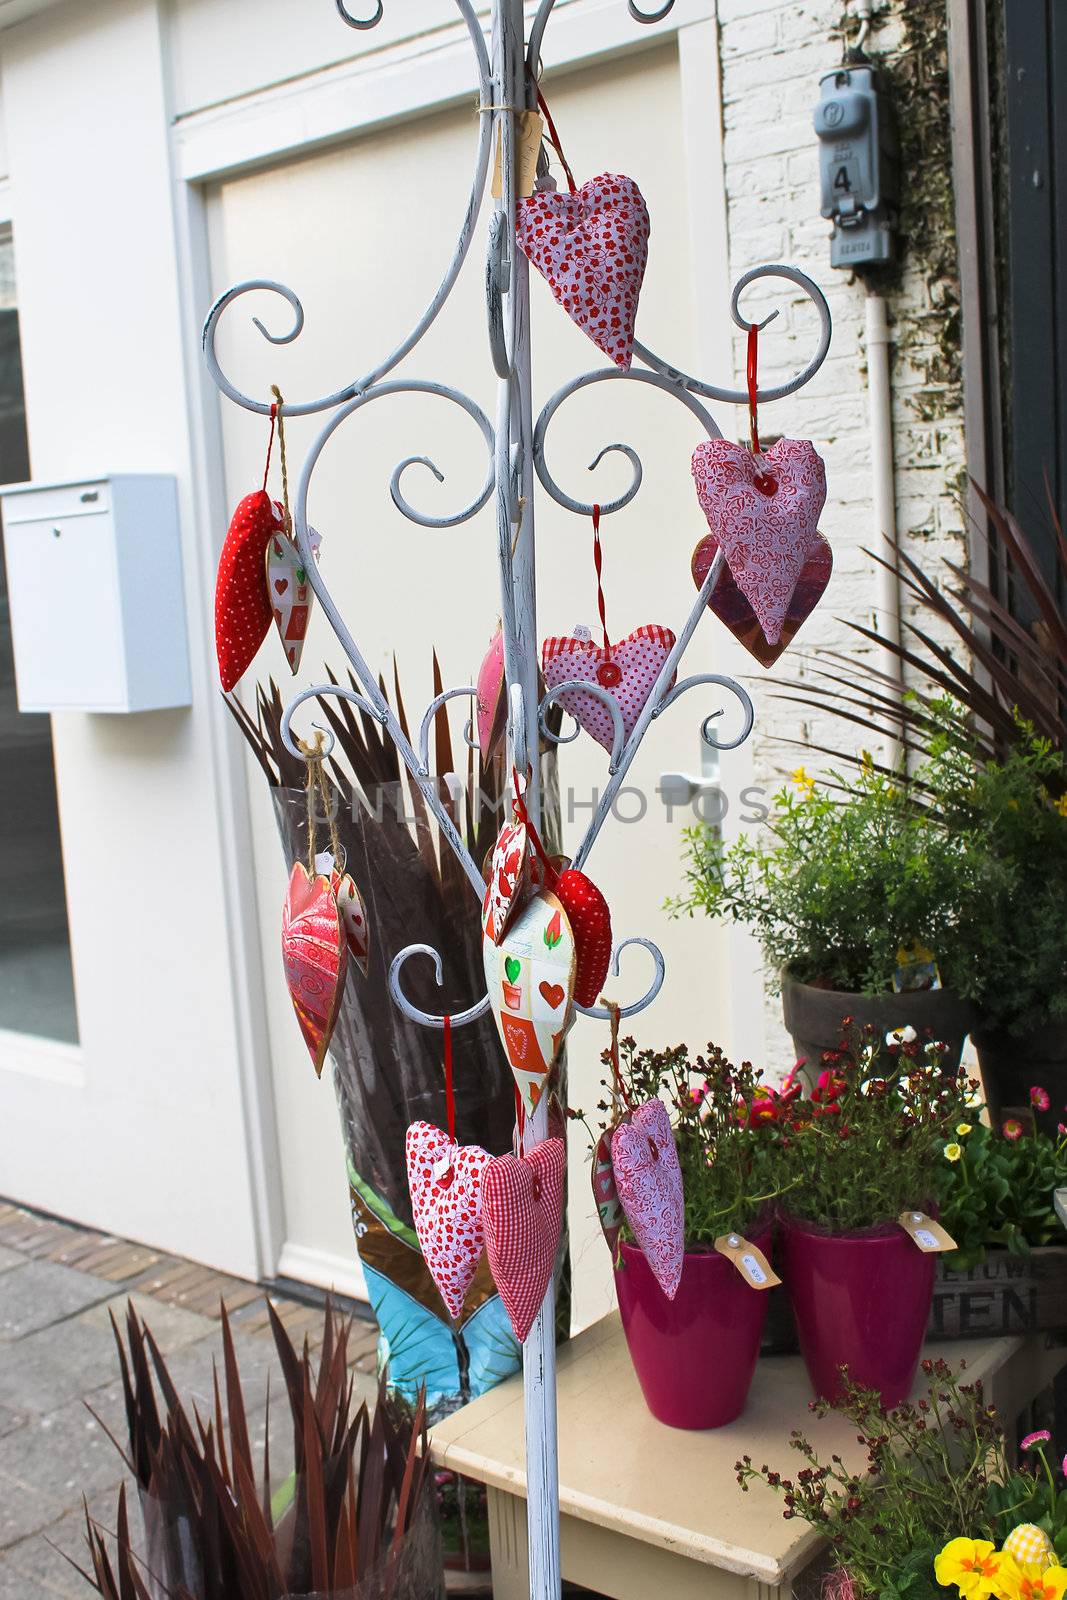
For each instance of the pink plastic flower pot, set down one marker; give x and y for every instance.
(694, 1355)
(861, 1300)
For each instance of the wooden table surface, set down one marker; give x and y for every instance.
(623, 1472)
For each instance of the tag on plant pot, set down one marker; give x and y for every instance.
(916, 969)
(929, 1235)
(749, 1260)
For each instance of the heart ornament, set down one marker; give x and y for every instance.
(243, 610)
(628, 671)
(291, 595)
(315, 955)
(445, 1183)
(590, 920)
(530, 981)
(491, 700)
(353, 914)
(731, 607)
(649, 1183)
(606, 1195)
(764, 511)
(506, 878)
(522, 1218)
(591, 248)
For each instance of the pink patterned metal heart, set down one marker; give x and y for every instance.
(445, 1183)
(731, 607)
(764, 510)
(649, 1183)
(315, 954)
(508, 871)
(628, 671)
(492, 700)
(591, 248)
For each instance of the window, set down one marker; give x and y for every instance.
(36, 979)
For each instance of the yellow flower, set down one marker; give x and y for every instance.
(1061, 805)
(1031, 1582)
(975, 1566)
(805, 784)
(963, 1129)
(953, 1152)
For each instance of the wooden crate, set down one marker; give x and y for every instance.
(1006, 1294)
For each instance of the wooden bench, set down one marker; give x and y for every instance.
(655, 1513)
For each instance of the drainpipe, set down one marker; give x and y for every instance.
(883, 490)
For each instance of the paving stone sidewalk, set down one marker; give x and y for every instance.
(58, 1285)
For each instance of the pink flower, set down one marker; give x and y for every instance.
(1012, 1129)
(1063, 1466)
(1061, 1127)
(1042, 1436)
(1039, 1097)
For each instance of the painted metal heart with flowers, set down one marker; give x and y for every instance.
(764, 510)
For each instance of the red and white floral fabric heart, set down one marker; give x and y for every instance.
(522, 1218)
(591, 247)
(628, 671)
(243, 610)
(649, 1184)
(445, 1183)
(764, 510)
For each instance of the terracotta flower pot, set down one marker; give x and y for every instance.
(860, 1300)
(814, 1016)
(1012, 1063)
(694, 1355)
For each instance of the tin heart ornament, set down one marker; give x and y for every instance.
(764, 511)
(492, 704)
(731, 607)
(243, 611)
(445, 1183)
(353, 914)
(530, 980)
(522, 1217)
(591, 247)
(508, 871)
(590, 920)
(606, 1195)
(315, 955)
(628, 671)
(291, 595)
(649, 1183)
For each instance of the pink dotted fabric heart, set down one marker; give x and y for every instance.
(764, 510)
(592, 249)
(522, 1215)
(445, 1183)
(649, 1184)
(628, 672)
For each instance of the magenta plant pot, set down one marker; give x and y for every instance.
(860, 1300)
(694, 1355)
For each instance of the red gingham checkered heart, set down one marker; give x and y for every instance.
(591, 248)
(764, 510)
(649, 1182)
(590, 921)
(522, 1216)
(243, 612)
(445, 1183)
(629, 672)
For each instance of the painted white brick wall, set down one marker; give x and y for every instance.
(773, 53)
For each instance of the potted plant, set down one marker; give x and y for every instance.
(857, 1155)
(855, 895)
(695, 1355)
(927, 1502)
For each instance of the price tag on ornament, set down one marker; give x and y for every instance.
(749, 1260)
(529, 131)
(929, 1235)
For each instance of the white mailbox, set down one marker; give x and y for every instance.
(94, 583)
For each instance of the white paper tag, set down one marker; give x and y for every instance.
(442, 1167)
(324, 862)
(581, 631)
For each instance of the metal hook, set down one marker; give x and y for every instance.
(707, 732)
(427, 723)
(602, 1012)
(426, 1019)
(654, 16)
(607, 700)
(294, 746)
(354, 22)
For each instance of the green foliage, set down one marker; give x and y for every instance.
(998, 1193)
(869, 1142)
(724, 1144)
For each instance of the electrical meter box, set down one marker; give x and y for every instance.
(94, 584)
(859, 165)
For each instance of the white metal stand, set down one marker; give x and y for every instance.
(507, 70)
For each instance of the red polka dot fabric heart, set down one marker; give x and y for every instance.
(629, 672)
(590, 921)
(522, 1217)
(445, 1183)
(592, 249)
(731, 607)
(764, 510)
(649, 1184)
(243, 610)
(315, 955)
